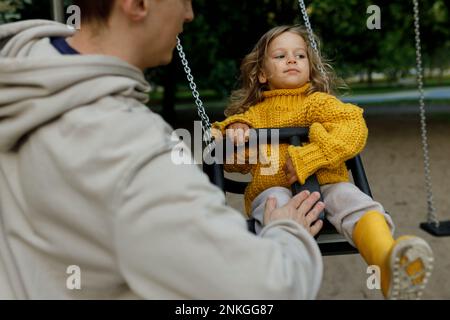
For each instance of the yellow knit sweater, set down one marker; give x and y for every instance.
(337, 132)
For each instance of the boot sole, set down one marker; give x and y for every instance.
(405, 286)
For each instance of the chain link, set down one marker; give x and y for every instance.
(206, 124)
(432, 218)
(310, 32)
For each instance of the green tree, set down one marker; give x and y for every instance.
(224, 31)
(10, 9)
(435, 30)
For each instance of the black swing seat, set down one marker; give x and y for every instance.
(329, 240)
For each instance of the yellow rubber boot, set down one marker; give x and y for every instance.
(405, 264)
(374, 241)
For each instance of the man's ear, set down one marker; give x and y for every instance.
(262, 77)
(135, 9)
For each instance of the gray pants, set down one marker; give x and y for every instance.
(345, 204)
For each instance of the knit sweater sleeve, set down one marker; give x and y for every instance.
(337, 133)
(238, 161)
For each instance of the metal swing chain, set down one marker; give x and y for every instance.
(431, 209)
(432, 218)
(310, 32)
(206, 124)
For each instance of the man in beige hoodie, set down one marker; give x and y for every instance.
(87, 185)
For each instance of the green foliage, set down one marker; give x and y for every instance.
(10, 9)
(224, 31)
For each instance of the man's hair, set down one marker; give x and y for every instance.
(97, 11)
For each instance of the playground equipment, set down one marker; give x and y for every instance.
(432, 225)
(332, 245)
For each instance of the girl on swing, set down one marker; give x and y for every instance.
(285, 83)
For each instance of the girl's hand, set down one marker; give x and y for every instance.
(238, 133)
(289, 169)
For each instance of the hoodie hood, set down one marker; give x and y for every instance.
(38, 84)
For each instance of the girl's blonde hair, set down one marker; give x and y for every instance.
(251, 91)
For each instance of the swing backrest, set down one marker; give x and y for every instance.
(329, 240)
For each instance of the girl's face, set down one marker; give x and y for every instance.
(286, 65)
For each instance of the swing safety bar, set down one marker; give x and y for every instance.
(355, 165)
(330, 242)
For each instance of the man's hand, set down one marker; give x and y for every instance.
(304, 209)
(238, 133)
(289, 170)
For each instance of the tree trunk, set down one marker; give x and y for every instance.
(441, 75)
(369, 76)
(361, 77)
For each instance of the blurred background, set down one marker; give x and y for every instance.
(371, 61)
(378, 66)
